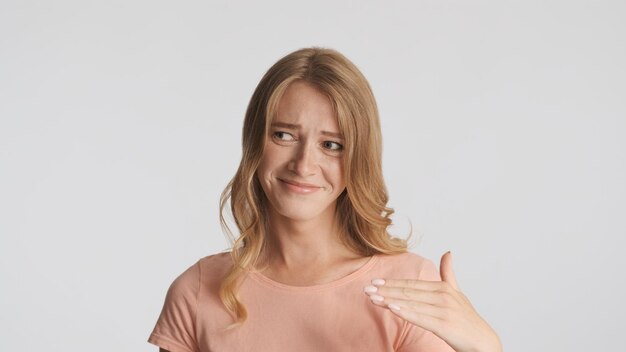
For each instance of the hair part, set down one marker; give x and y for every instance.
(361, 208)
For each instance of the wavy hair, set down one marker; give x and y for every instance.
(361, 208)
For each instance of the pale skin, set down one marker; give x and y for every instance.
(302, 175)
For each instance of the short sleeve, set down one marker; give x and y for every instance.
(175, 328)
(418, 339)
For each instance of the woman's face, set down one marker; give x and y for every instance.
(301, 171)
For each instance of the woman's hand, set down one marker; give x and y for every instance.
(439, 307)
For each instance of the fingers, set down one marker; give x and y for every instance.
(446, 271)
(447, 276)
(427, 316)
(396, 305)
(445, 296)
(405, 306)
(404, 293)
(412, 283)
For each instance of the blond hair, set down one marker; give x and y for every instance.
(361, 208)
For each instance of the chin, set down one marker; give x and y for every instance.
(298, 211)
(299, 215)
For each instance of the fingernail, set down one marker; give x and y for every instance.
(370, 289)
(394, 306)
(378, 282)
(377, 298)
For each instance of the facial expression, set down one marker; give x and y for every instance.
(301, 171)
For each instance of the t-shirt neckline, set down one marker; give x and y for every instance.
(266, 281)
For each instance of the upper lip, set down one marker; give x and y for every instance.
(299, 184)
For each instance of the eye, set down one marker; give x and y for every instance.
(334, 146)
(283, 136)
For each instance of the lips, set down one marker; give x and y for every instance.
(299, 187)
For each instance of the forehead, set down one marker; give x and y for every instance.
(304, 104)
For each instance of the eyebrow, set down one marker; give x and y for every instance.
(296, 127)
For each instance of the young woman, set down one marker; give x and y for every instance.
(313, 267)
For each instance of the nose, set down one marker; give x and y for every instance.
(304, 161)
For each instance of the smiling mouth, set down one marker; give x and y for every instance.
(298, 187)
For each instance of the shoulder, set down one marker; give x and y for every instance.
(407, 266)
(205, 270)
(216, 261)
(214, 267)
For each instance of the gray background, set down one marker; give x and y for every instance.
(120, 123)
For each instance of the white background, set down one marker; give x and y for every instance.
(504, 129)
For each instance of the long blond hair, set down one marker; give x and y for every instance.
(361, 208)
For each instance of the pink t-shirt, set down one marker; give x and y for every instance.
(336, 316)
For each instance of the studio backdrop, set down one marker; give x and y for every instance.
(504, 127)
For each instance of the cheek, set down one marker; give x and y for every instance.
(336, 173)
(264, 170)
(270, 162)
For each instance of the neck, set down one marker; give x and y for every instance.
(300, 243)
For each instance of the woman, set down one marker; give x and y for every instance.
(313, 267)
